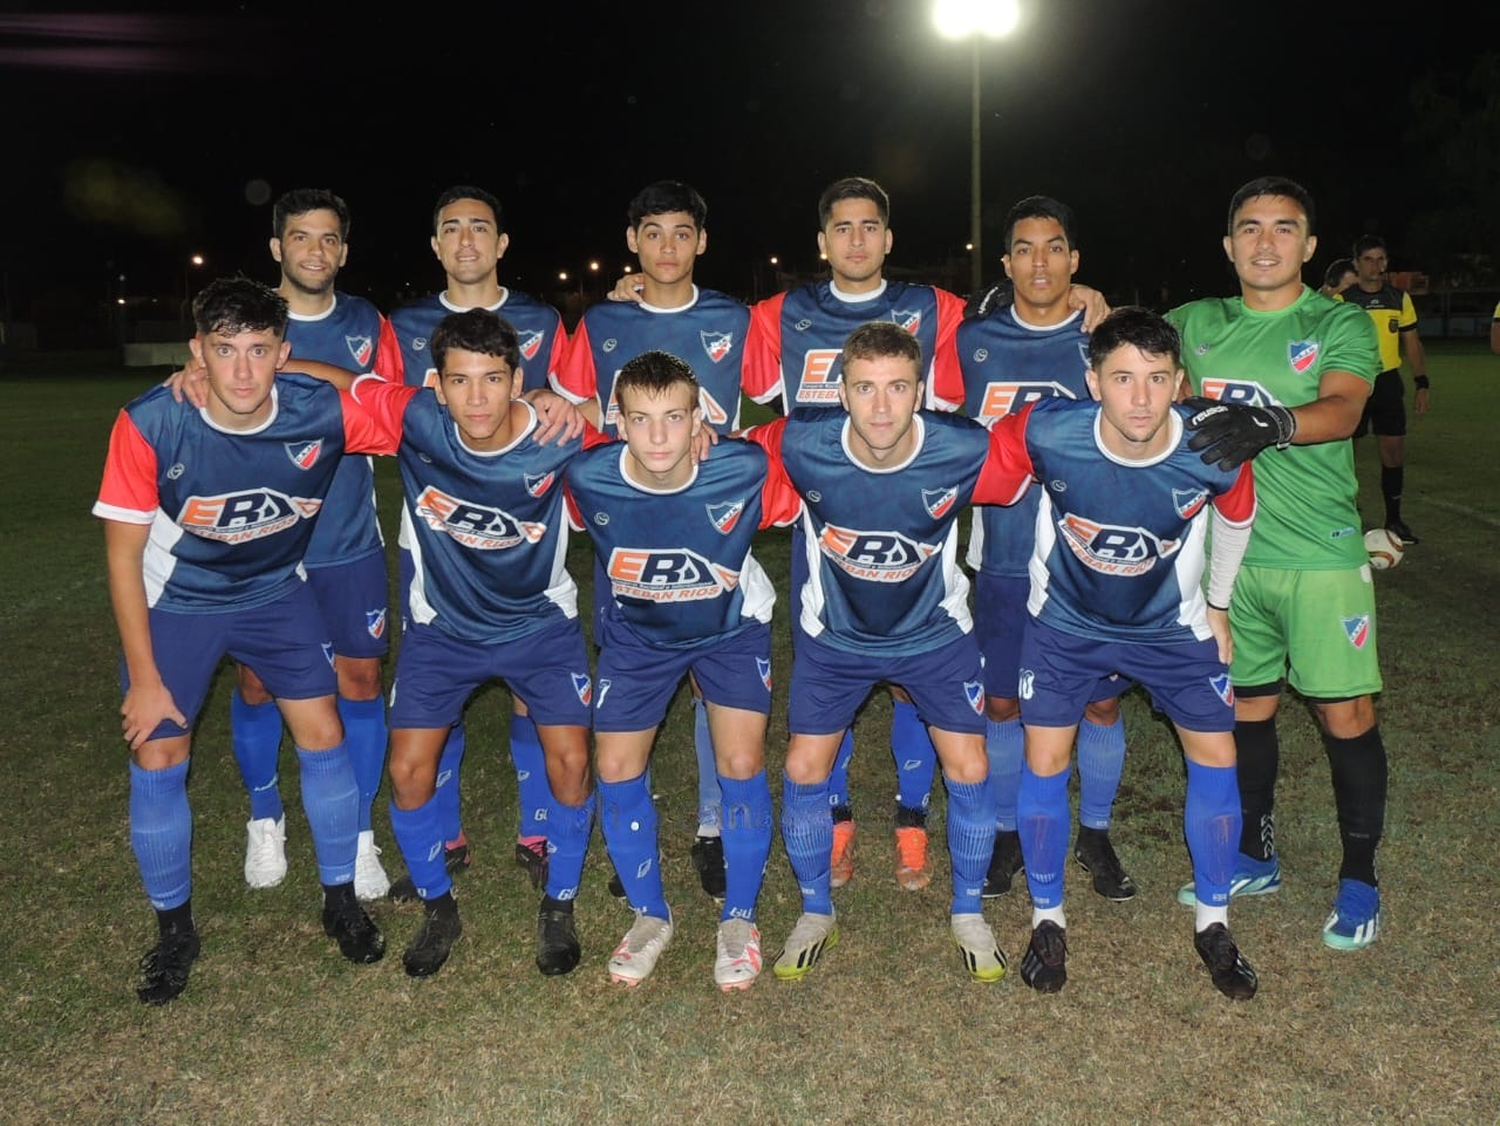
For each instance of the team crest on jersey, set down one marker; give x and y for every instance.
(716, 344)
(1002, 398)
(763, 667)
(909, 319)
(1223, 688)
(1189, 502)
(939, 502)
(819, 384)
(1249, 393)
(713, 413)
(974, 693)
(375, 623)
(583, 686)
(361, 348)
(477, 526)
(882, 557)
(1113, 550)
(1357, 630)
(241, 517)
(667, 575)
(531, 343)
(537, 484)
(304, 455)
(328, 653)
(725, 516)
(1302, 354)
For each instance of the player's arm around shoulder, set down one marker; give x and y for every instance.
(375, 413)
(1008, 470)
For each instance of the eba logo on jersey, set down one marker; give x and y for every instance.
(819, 383)
(537, 484)
(725, 516)
(1188, 502)
(304, 455)
(240, 517)
(530, 343)
(1243, 391)
(716, 344)
(882, 557)
(474, 525)
(361, 348)
(1302, 354)
(909, 319)
(939, 502)
(667, 575)
(1112, 550)
(1000, 399)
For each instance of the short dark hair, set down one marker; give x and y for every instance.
(1133, 324)
(299, 201)
(879, 340)
(655, 373)
(666, 196)
(467, 191)
(1369, 242)
(477, 330)
(853, 187)
(1273, 185)
(1041, 207)
(230, 306)
(1336, 270)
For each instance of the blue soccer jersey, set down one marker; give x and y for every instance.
(882, 545)
(679, 565)
(708, 334)
(538, 327)
(1007, 364)
(796, 339)
(1120, 545)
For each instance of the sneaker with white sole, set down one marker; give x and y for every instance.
(1251, 877)
(635, 957)
(265, 852)
(1355, 922)
(370, 880)
(812, 935)
(982, 955)
(737, 956)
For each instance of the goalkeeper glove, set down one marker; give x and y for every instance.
(1233, 433)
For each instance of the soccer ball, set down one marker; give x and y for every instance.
(1385, 548)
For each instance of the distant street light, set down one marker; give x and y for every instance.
(975, 20)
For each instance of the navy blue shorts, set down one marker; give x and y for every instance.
(353, 598)
(1000, 618)
(636, 681)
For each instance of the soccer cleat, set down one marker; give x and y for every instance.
(708, 859)
(982, 955)
(434, 942)
(1096, 856)
(812, 935)
(1399, 529)
(912, 872)
(1045, 966)
(370, 880)
(1355, 922)
(616, 885)
(557, 949)
(165, 967)
(455, 859)
(265, 852)
(345, 921)
(1005, 862)
(635, 957)
(737, 955)
(1232, 975)
(531, 855)
(841, 859)
(1251, 877)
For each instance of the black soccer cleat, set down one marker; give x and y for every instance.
(531, 855)
(1096, 856)
(1005, 862)
(616, 885)
(1045, 966)
(345, 921)
(434, 942)
(1399, 529)
(1232, 975)
(708, 859)
(557, 949)
(455, 859)
(165, 967)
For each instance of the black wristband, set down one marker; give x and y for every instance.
(1421, 382)
(1220, 609)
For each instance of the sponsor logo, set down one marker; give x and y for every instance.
(1188, 502)
(725, 516)
(1000, 399)
(713, 413)
(474, 525)
(419, 344)
(176, 471)
(375, 622)
(241, 517)
(1113, 550)
(304, 454)
(442, 778)
(601, 518)
(716, 344)
(1357, 630)
(882, 557)
(939, 502)
(1302, 354)
(1201, 350)
(819, 382)
(1248, 392)
(537, 484)
(583, 686)
(802, 326)
(361, 348)
(676, 575)
(604, 686)
(981, 354)
(609, 345)
(1026, 684)
(531, 343)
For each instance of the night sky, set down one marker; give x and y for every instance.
(136, 140)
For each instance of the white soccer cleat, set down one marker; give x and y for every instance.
(370, 880)
(976, 943)
(738, 959)
(810, 937)
(635, 957)
(265, 852)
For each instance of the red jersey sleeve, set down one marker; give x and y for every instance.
(576, 378)
(373, 412)
(128, 492)
(388, 363)
(1007, 471)
(947, 390)
(760, 368)
(1237, 504)
(780, 503)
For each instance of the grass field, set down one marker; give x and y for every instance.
(276, 1028)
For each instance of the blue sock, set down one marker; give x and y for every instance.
(1211, 822)
(365, 736)
(628, 816)
(330, 798)
(710, 798)
(971, 841)
(161, 833)
(447, 784)
(255, 735)
(421, 843)
(1006, 745)
(807, 831)
(1101, 760)
(1042, 814)
(838, 777)
(747, 842)
(911, 747)
(533, 793)
(568, 829)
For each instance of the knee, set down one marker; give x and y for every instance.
(999, 709)
(359, 679)
(1103, 713)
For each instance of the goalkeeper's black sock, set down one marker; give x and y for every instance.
(1359, 791)
(1258, 754)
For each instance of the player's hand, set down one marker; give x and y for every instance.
(630, 287)
(145, 706)
(557, 418)
(706, 439)
(1419, 400)
(1232, 433)
(189, 382)
(1218, 625)
(1092, 302)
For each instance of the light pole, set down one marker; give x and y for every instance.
(975, 20)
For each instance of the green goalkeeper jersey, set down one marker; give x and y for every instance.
(1306, 519)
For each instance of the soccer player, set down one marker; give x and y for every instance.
(704, 328)
(1124, 512)
(345, 560)
(684, 595)
(1033, 348)
(469, 239)
(1295, 369)
(883, 599)
(208, 513)
(1339, 276)
(1395, 322)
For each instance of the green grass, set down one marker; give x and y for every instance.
(276, 1028)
